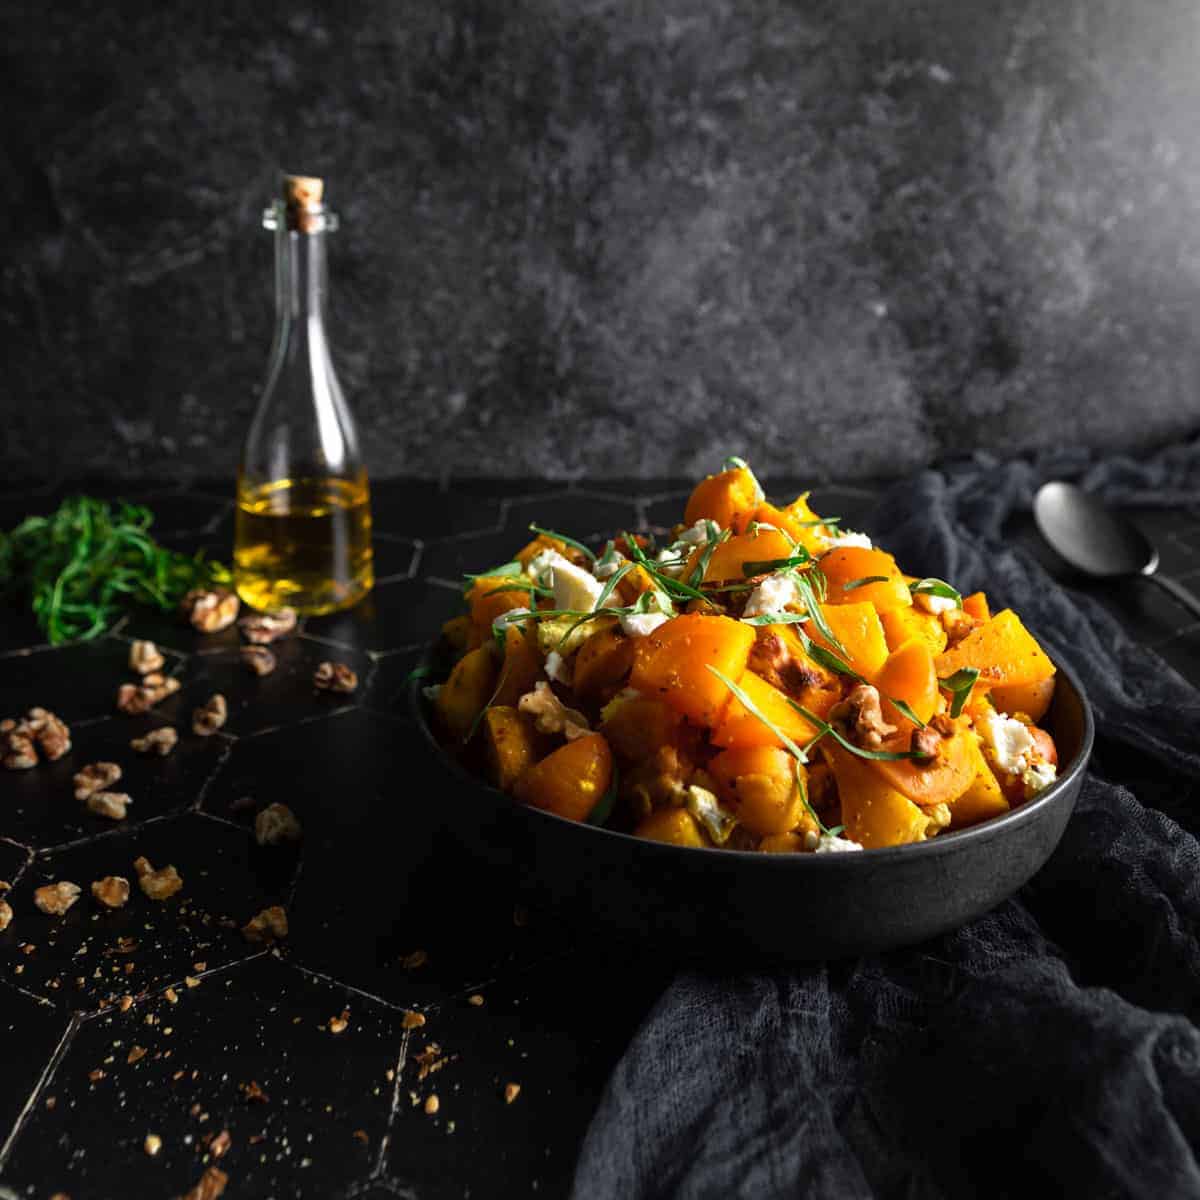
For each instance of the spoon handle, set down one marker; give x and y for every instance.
(1173, 587)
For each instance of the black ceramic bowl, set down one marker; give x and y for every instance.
(765, 908)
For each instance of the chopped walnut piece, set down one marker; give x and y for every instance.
(157, 885)
(335, 677)
(5, 886)
(476, 1000)
(210, 716)
(109, 804)
(262, 628)
(134, 699)
(267, 926)
(112, 891)
(410, 962)
(276, 823)
(551, 715)
(126, 1002)
(145, 657)
(860, 715)
(219, 1146)
(157, 741)
(210, 609)
(511, 1092)
(253, 1093)
(925, 743)
(95, 777)
(411, 1020)
(52, 735)
(432, 1104)
(341, 1023)
(55, 898)
(136, 1054)
(210, 1186)
(17, 751)
(957, 625)
(5, 915)
(943, 723)
(172, 996)
(153, 1144)
(258, 658)
(97, 1074)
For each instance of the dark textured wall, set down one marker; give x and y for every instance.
(609, 238)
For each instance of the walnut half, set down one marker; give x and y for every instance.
(551, 715)
(210, 716)
(210, 609)
(335, 677)
(266, 926)
(145, 658)
(157, 741)
(262, 628)
(55, 898)
(276, 823)
(95, 777)
(112, 891)
(109, 804)
(157, 885)
(259, 659)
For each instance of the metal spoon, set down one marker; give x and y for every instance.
(1098, 541)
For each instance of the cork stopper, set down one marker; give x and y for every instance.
(302, 202)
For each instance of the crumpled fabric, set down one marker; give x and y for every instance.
(1051, 1043)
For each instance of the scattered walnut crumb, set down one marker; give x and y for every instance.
(199, 967)
(210, 716)
(210, 609)
(430, 1059)
(172, 995)
(112, 805)
(258, 659)
(220, 1144)
(340, 1023)
(51, 1103)
(476, 1000)
(418, 958)
(511, 1092)
(276, 823)
(55, 898)
(432, 1104)
(191, 981)
(6, 914)
(157, 885)
(125, 1003)
(112, 891)
(412, 1020)
(128, 968)
(153, 1144)
(210, 1186)
(157, 741)
(261, 628)
(266, 926)
(361, 1136)
(253, 1093)
(95, 777)
(96, 1074)
(28, 948)
(335, 677)
(136, 1054)
(520, 916)
(145, 658)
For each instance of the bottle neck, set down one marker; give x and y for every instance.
(301, 280)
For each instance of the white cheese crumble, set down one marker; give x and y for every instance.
(829, 844)
(574, 588)
(671, 562)
(1010, 742)
(773, 595)
(431, 692)
(933, 604)
(556, 668)
(606, 568)
(505, 619)
(697, 534)
(642, 624)
(1037, 777)
(538, 567)
(848, 537)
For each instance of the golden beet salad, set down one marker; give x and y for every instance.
(759, 679)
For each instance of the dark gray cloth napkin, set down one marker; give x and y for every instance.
(1053, 1041)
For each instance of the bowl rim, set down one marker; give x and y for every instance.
(944, 843)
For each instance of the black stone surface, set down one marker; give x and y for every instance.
(374, 881)
(607, 239)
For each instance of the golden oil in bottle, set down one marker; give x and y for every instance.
(303, 544)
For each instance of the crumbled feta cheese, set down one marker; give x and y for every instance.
(829, 844)
(501, 622)
(773, 595)
(847, 537)
(557, 669)
(538, 567)
(574, 588)
(1010, 742)
(697, 534)
(671, 561)
(708, 810)
(608, 566)
(1037, 777)
(933, 604)
(641, 624)
(431, 692)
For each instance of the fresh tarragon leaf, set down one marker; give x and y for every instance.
(959, 686)
(604, 806)
(828, 730)
(936, 587)
(857, 583)
(562, 537)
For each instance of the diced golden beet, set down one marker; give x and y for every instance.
(571, 780)
(510, 742)
(675, 826)
(858, 629)
(460, 634)
(976, 605)
(487, 603)
(729, 557)
(729, 499)
(1032, 699)
(908, 675)
(1002, 650)
(874, 813)
(779, 657)
(983, 798)
(900, 624)
(636, 581)
(741, 727)
(462, 697)
(804, 525)
(522, 666)
(846, 564)
(637, 727)
(782, 843)
(926, 783)
(565, 635)
(602, 662)
(542, 542)
(759, 782)
(672, 663)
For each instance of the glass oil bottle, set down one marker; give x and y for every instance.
(303, 529)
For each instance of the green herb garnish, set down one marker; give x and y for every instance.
(715, 537)
(562, 537)
(768, 566)
(907, 711)
(857, 583)
(959, 686)
(936, 587)
(828, 730)
(604, 806)
(84, 564)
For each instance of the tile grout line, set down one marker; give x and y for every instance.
(394, 1109)
(51, 1066)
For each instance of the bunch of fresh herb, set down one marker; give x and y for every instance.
(82, 566)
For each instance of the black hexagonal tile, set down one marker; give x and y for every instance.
(169, 630)
(420, 509)
(555, 1032)
(18, 626)
(395, 557)
(316, 1128)
(664, 509)
(177, 512)
(40, 808)
(452, 558)
(581, 515)
(13, 859)
(81, 959)
(388, 692)
(31, 1030)
(77, 682)
(408, 612)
